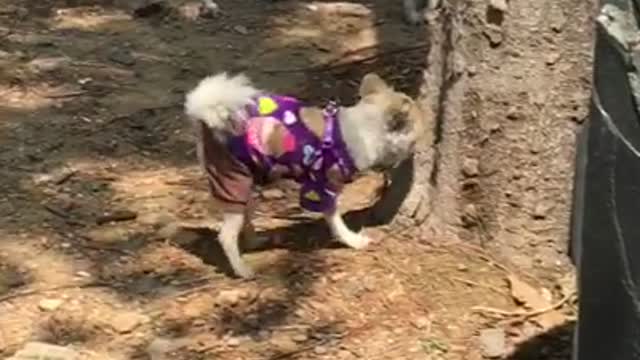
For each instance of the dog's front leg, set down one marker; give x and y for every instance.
(343, 233)
(232, 226)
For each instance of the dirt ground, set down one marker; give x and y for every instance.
(106, 238)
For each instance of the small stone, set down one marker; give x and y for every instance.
(542, 209)
(240, 29)
(49, 304)
(552, 58)
(493, 343)
(283, 344)
(233, 342)
(320, 350)
(470, 215)
(514, 113)
(48, 64)
(421, 322)
(494, 34)
(472, 70)
(230, 297)
(122, 57)
(126, 322)
(470, 167)
(273, 194)
(462, 267)
(299, 338)
(499, 5)
(40, 350)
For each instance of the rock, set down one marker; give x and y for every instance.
(421, 322)
(499, 5)
(49, 304)
(273, 194)
(40, 350)
(320, 350)
(283, 344)
(300, 338)
(230, 297)
(470, 167)
(126, 322)
(122, 57)
(233, 342)
(83, 274)
(47, 64)
(470, 215)
(240, 29)
(552, 58)
(493, 343)
(494, 34)
(542, 209)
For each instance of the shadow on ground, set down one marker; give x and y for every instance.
(555, 344)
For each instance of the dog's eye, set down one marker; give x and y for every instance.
(398, 122)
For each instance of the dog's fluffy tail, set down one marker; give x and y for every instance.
(217, 98)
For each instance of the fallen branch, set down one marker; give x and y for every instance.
(338, 62)
(523, 315)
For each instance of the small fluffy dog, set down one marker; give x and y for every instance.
(248, 137)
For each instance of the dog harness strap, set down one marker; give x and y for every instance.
(332, 141)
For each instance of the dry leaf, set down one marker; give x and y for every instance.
(533, 299)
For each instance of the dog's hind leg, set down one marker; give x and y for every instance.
(232, 226)
(251, 240)
(343, 233)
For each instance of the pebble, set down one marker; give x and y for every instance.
(233, 342)
(122, 57)
(470, 167)
(49, 304)
(500, 5)
(231, 297)
(493, 343)
(300, 338)
(242, 30)
(126, 322)
(320, 350)
(421, 322)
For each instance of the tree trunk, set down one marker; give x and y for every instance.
(507, 90)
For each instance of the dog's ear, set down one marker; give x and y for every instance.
(372, 83)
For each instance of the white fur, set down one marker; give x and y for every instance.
(217, 98)
(343, 233)
(368, 142)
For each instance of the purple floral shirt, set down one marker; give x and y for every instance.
(306, 158)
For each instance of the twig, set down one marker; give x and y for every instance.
(65, 95)
(55, 288)
(523, 315)
(337, 63)
(473, 283)
(116, 216)
(63, 215)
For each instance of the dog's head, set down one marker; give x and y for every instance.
(389, 123)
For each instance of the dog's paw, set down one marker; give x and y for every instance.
(356, 241)
(244, 272)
